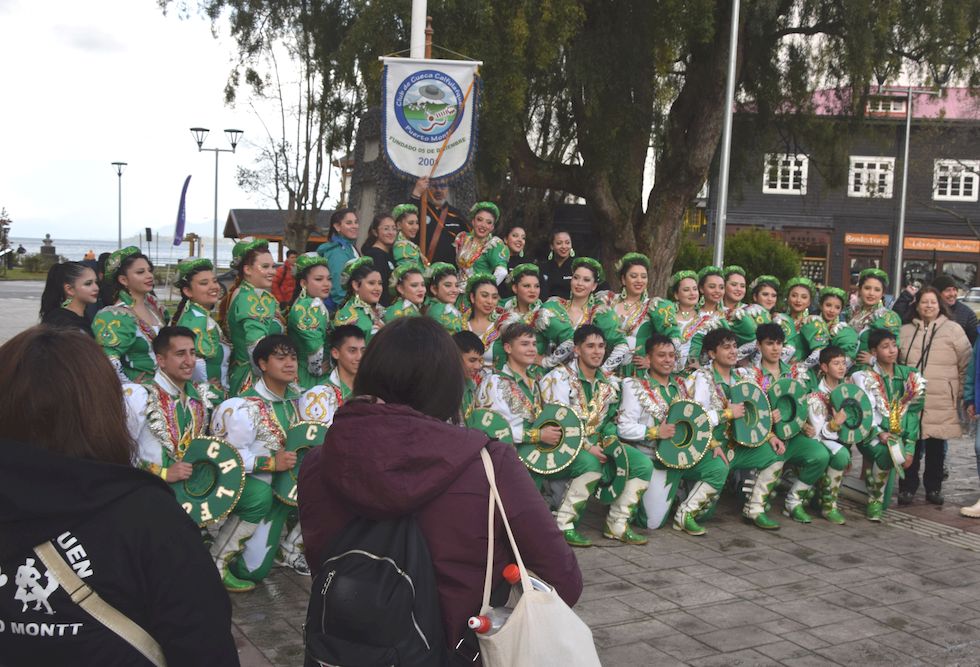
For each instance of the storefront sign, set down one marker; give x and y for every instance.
(876, 240)
(942, 245)
(915, 243)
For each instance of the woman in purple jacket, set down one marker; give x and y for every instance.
(395, 452)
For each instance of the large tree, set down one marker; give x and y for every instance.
(576, 93)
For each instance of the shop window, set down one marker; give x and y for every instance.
(920, 271)
(886, 105)
(871, 177)
(785, 174)
(964, 274)
(955, 180)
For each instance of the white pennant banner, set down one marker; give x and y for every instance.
(430, 115)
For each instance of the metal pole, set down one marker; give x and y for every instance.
(726, 141)
(119, 210)
(215, 249)
(417, 44)
(900, 233)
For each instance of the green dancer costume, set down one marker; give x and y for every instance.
(561, 328)
(639, 320)
(896, 401)
(405, 251)
(489, 255)
(642, 410)
(826, 430)
(839, 332)
(366, 317)
(213, 349)
(809, 456)
(253, 314)
(402, 308)
(865, 319)
(126, 339)
(805, 333)
(162, 419)
(308, 325)
(709, 389)
(533, 315)
(595, 402)
(446, 314)
(256, 423)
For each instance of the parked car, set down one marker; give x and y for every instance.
(972, 299)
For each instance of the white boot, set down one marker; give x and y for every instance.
(291, 551)
(575, 500)
(230, 540)
(973, 511)
(227, 544)
(698, 500)
(755, 507)
(617, 521)
(795, 498)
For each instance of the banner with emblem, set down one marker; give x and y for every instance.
(428, 126)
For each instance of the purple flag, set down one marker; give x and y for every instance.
(181, 214)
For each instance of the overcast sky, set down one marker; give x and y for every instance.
(84, 84)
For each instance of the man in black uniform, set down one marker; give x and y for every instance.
(443, 221)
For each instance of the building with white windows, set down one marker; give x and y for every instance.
(845, 222)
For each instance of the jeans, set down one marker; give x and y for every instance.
(934, 450)
(976, 447)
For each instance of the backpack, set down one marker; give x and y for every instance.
(373, 600)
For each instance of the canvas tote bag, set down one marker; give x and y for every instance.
(542, 630)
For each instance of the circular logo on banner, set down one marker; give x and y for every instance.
(427, 105)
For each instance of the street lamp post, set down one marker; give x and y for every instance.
(726, 141)
(900, 232)
(234, 136)
(119, 170)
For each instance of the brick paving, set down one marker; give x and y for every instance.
(805, 595)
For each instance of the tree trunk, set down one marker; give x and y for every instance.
(694, 129)
(299, 225)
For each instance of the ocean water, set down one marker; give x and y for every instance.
(163, 252)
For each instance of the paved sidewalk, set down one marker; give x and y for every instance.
(903, 593)
(819, 594)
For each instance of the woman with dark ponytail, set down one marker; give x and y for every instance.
(200, 292)
(69, 289)
(249, 312)
(126, 328)
(309, 322)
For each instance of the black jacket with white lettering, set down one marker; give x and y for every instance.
(125, 535)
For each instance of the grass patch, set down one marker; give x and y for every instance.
(22, 274)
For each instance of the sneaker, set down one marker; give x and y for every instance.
(576, 539)
(798, 514)
(296, 562)
(628, 536)
(690, 526)
(935, 497)
(233, 584)
(875, 511)
(834, 516)
(763, 521)
(972, 511)
(905, 497)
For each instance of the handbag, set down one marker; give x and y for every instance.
(82, 595)
(542, 630)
